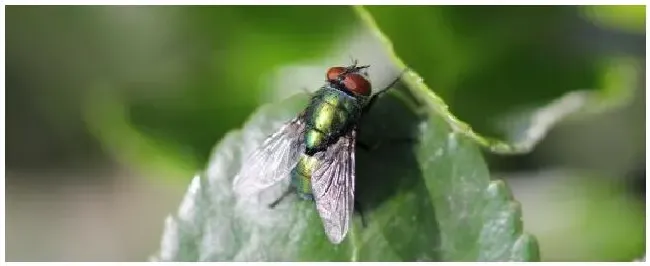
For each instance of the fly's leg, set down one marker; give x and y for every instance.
(373, 99)
(357, 208)
(366, 109)
(284, 195)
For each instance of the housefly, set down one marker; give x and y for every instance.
(316, 150)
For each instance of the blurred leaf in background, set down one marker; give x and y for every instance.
(484, 61)
(625, 17)
(600, 221)
(179, 77)
(222, 83)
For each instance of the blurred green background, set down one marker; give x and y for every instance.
(111, 110)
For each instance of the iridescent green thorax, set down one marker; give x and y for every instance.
(330, 114)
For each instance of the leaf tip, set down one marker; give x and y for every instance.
(526, 248)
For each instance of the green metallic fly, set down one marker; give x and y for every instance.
(317, 149)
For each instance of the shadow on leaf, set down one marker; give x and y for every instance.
(389, 176)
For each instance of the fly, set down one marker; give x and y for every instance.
(316, 150)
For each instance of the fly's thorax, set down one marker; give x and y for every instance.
(301, 176)
(329, 114)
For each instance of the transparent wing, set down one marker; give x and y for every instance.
(273, 160)
(333, 187)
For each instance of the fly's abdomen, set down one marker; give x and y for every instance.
(301, 176)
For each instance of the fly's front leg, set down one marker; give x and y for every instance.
(374, 97)
(366, 109)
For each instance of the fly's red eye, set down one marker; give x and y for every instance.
(334, 72)
(357, 84)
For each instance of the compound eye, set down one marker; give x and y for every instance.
(334, 72)
(357, 84)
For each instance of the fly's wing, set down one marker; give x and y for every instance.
(333, 187)
(273, 160)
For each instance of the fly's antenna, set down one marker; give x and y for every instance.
(353, 60)
(354, 68)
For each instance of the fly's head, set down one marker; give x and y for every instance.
(351, 79)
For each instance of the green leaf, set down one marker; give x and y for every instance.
(432, 200)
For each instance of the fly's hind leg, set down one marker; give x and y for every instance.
(359, 210)
(284, 195)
